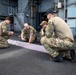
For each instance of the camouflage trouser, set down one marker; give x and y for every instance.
(34, 38)
(54, 46)
(3, 41)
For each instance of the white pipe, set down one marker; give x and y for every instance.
(64, 9)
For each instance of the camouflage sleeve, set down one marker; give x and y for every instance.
(4, 30)
(31, 32)
(49, 30)
(23, 32)
(42, 32)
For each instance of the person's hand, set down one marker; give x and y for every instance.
(43, 27)
(23, 39)
(28, 43)
(11, 33)
(42, 33)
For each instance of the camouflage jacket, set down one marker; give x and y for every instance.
(30, 31)
(59, 27)
(49, 31)
(3, 29)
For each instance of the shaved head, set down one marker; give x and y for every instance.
(26, 24)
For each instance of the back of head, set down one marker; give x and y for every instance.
(8, 18)
(26, 24)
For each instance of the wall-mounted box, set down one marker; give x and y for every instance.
(59, 5)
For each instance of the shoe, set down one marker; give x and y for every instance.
(58, 58)
(72, 54)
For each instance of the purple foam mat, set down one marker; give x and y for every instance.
(30, 46)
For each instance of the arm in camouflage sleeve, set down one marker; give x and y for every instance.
(4, 30)
(31, 35)
(49, 30)
(31, 32)
(23, 33)
(42, 32)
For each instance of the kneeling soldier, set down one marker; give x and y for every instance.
(4, 33)
(59, 45)
(28, 34)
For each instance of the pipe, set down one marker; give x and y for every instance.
(71, 4)
(7, 4)
(65, 5)
(32, 12)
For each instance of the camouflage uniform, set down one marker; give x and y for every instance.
(63, 40)
(4, 35)
(42, 32)
(29, 32)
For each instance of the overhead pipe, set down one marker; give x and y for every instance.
(32, 12)
(65, 8)
(7, 4)
(72, 4)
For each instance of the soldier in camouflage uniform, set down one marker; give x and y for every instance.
(4, 33)
(44, 25)
(28, 34)
(59, 45)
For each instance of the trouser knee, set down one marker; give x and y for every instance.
(43, 40)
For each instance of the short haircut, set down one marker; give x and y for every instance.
(43, 23)
(26, 24)
(8, 18)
